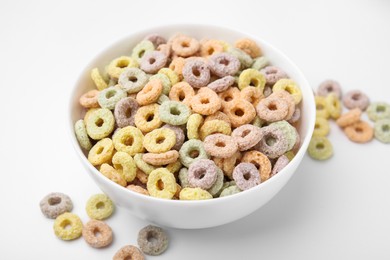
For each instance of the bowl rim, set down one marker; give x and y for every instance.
(113, 185)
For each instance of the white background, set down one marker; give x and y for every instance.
(338, 209)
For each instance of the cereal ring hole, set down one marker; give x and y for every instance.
(174, 111)
(224, 62)
(196, 72)
(122, 64)
(320, 146)
(54, 201)
(149, 117)
(272, 106)
(239, 112)
(330, 89)
(151, 238)
(129, 140)
(220, 144)
(246, 176)
(133, 79)
(152, 60)
(380, 109)
(205, 101)
(160, 185)
(160, 140)
(185, 44)
(228, 98)
(141, 53)
(210, 51)
(245, 133)
(99, 122)
(110, 93)
(99, 150)
(200, 173)
(317, 126)
(256, 164)
(100, 205)
(358, 129)
(356, 96)
(66, 224)
(254, 83)
(96, 232)
(194, 154)
(385, 128)
(182, 95)
(270, 140)
(320, 107)
(128, 112)
(289, 89)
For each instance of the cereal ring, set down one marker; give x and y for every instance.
(202, 174)
(141, 49)
(224, 64)
(240, 112)
(147, 118)
(280, 164)
(272, 109)
(193, 124)
(291, 87)
(274, 143)
(125, 111)
(214, 127)
(333, 105)
(210, 47)
(97, 78)
(227, 165)
(166, 83)
(153, 61)
(220, 145)
(101, 152)
(290, 155)
(189, 193)
(128, 252)
(55, 204)
(92, 229)
(192, 150)
(183, 177)
(329, 86)
(179, 134)
(321, 127)
(247, 136)
(229, 96)
(150, 93)
(252, 94)
(359, 132)
(68, 226)
(218, 116)
(273, 74)
(173, 77)
(261, 162)
(142, 165)
(163, 98)
(182, 92)
(185, 46)
(267, 91)
(99, 123)
(82, 135)
(258, 122)
(321, 110)
(124, 164)
(230, 191)
(289, 132)
(164, 48)
(177, 65)
(248, 46)
(174, 167)
(221, 84)
(152, 240)
(110, 173)
(161, 184)
(217, 186)
(289, 100)
(206, 102)
(119, 65)
(138, 189)
(174, 113)
(108, 97)
(132, 80)
(159, 159)
(349, 118)
(196, 73)
(99, 207)
(156, 39)
(90, 99)
(295, 116)
(356, 99)
(246, 176)
(128, 139)
(320, 148)
(141, 176)
(379, 110)
(245, 60)
(260, 63)
(382, 130)
(251, 78)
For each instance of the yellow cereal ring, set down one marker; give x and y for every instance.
(214, 127)
(109, 172)
(159, 140)
(193, 124)
(129, 140)
(251, 77)
(174, 167)
(68, 226)
(147, 118)
(321, 127)
(333, 105)
(98, 79)
(120, 64)
(291, 87)
(321, 110)
(173, 77)
(124, 164)
(99, 123)
(99, 207)
(194, 194)
(89, 113)
(101, 152)
(161, 184)
(142, 165)
(226, 46)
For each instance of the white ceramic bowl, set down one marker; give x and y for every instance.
(194, 214)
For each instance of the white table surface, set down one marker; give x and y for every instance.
(338, 209)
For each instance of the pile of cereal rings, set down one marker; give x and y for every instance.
(329, 102)
(190, 120)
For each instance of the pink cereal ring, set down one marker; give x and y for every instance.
(156, 39)
(125, 111)
(280, 164)
(273, 74)
(356, 99)
(289, 99)
(202, 173)
(246, 176)
(329, 86)
(247, 136)
(197, 73)
(220, 145)
(274, 143)
(272, 109)
(153, 61)
(224, 64)
(222, 84)
(90, 99)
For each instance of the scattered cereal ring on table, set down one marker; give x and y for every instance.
(99, 207)
(356, 99)
(92, 229)
(152, 240)
(128, 252)
(55, 204)
(174, 113)
(321, 127)
(359, 132)
(382, 130)
(119, 65)
(329, 86)
(333, 105)
(68, 226)
(349, 118)
(189, 193)
(101, 152)
(82, 135)
(161, 184)
(321, 110)
(132, 80)
(377, 111)
(100, 123)
(320, 148)
(246, 176)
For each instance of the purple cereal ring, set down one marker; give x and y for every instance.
(246, 176)
(224, 64)
(273, 74)
(202, 174)
(179, 136)
(356, 99)
(155, 39)
(153, 61)
(296, 116)
(273, 144)
(280, 164)
(222, 84)
(220, 145)
(272, 109)
(329, 86)
(196, 73)
(247, 136)
(125, 111)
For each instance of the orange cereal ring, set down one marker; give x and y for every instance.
(185, 46)
(177, 65)
(349, 118)
(109, 172)
(150, 93)
(359, 132)
(210, 47)
(240, 112)
(227, 165)
(229, 96)
(137, 189)
(182, 92)
(147, 118)
(220, 145)
(289, 99)
(206, 102)
(248, 46)
(164, 48)
(90, 99)
(261, 162)
(159, 159)
(218, 116)
(272, 109)
(253, 95)
(141, 176)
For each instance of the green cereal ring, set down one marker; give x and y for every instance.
(108, 97)
(291, 87)
(192, 150)
(289, 131)
(99, 206)
(68, 226)
(174, 113)
(251, 77)
(173, 77)
(382, 130)
(321, 127)
(163, 98)
(260, 63)
(194, 194)
(119, 65)
(233, 189)
(142, 165)
(98, 79)
(165, 82)
(183, 178)
(159, 140)
(82, 135)
(193, 124)
(174, 167)
(101, 152)
(379, 110)
(333, 105)
(140, 49)
(99, 123)
(217, 186)
(320, 148)
(132, 80)
(245, 60)
(128, 139)
(321, 110)
(125, 165)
